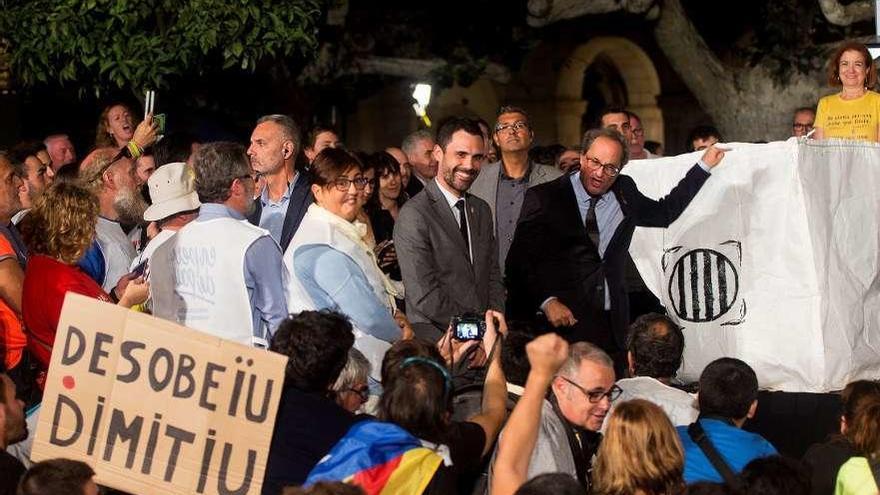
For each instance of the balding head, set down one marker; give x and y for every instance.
(114, 180)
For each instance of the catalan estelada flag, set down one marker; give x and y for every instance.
(382, 458)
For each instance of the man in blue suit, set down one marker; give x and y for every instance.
(286, 195)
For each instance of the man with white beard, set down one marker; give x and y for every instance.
(114, 181)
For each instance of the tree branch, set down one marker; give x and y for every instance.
(417, 68)
(844, 15)
(544, 12)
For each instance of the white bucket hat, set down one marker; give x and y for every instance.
(172, 189)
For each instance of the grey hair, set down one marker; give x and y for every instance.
(594, 134)
(410, 141)
(580, 352)
(288, 126)
(356, 370)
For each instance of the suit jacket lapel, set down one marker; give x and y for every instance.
(295, 208)
(447, 218)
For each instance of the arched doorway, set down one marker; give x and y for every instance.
(606, 71)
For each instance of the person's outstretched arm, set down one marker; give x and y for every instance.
(546, 354)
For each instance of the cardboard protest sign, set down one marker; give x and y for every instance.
(155, 407)
(773, 262)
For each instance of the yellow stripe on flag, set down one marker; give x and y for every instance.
(415, 471)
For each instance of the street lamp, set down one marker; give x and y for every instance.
(422, 95)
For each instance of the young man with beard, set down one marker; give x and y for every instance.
(220, 274)
(445, 239)
(113, 178)
(37, 173)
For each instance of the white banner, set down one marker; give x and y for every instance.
(775, 261)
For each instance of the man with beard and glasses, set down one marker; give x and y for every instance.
(113, 179)
(220, 274)
(445, 239)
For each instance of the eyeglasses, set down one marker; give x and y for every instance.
(516, 126)
(362, 392)
(595, 396)
(343, 183)
(248, 176)
(609, 168)
(803, 127)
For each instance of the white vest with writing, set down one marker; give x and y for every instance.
(314, 230)
(197, 279)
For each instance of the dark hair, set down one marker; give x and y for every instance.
(56, 476)
(417, 398)
(775, 475)
(701, 132)
(804, 109)
(174, 147)
(330, 164)
(510, 109)
(656, 344)
(593, 134)
(652, 146)
(546, 155)
(728, 387)
(67, 173)
(555, 483)
(481, 122)
(313, 133)
(453, 125)
(384, 163)
(216, 166)
(514, 360)
(21, 151)
(403, 349)
(855, 394)
(317, 345)
(708, 488)
(864, 430)
(834, 63)
(608, 111)
(324, 488)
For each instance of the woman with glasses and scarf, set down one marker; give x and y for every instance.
(330, 266)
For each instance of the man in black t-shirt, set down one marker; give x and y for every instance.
(308, 423)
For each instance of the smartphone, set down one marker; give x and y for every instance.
(150, 107)
(386, 246)
(140, 269)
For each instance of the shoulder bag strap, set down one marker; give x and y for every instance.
(698, 435)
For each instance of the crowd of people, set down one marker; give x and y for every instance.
(466, 292)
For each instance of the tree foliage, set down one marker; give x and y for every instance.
(107, 44)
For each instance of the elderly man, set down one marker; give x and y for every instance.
(568, 420)
(569, 254)
(60, 150)
(637, 150)
(175, 204)
(280, 207)
(113, 178)
(219, 274)
(419, 149)
(503, 184)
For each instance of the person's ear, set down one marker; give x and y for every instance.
(287, 150)
(630, 363)
(438, 153)
(752, 409)
(842, 424)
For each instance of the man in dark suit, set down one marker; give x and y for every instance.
(286, 194)
(445, 240)
(569, 251)
(419, 149)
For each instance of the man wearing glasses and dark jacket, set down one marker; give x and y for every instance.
(569, 251)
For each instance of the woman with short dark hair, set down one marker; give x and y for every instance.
(331, 266)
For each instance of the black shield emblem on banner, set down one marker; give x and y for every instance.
(703, 284)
